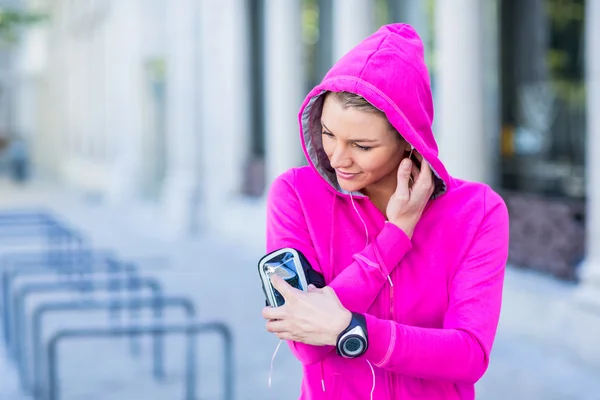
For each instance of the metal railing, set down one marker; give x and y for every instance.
(34, 264)
(51, 257)
(194, 329)
(18, 226)
(87, 305)
(18, 349)
(55, 258)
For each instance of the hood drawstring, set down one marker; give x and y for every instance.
(331, 261)
(322, 367)
(373, 373)
(322, 378)
(366, 232)
(361, 220)
(389, 279)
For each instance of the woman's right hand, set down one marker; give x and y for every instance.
(406, 205)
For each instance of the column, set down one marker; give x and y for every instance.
(112, 52)
(126, 100)
(353, 21)
(96, 75)
(31, 65)
(47, 144)
(74, 113)
(180, 195)
(411, 12)
(284, 86)
(590, 289)
(324, 56)
(29, 68)
(59, 84)
(459, 94)
(224, 104)
(82, 95)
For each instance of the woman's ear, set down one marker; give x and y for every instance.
(414, 154)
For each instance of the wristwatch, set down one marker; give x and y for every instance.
(353, 341)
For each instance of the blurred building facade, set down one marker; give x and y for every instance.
(191, 105)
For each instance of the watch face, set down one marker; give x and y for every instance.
(353, 346)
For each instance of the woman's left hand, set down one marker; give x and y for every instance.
(315, 317)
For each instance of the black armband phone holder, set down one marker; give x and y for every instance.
(292, 266)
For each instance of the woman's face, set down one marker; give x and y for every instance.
(362, 148)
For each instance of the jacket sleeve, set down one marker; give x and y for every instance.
(460, 351)
(287, 227)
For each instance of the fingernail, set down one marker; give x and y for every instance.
(406, 164)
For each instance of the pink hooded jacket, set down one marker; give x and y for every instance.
(431, 303)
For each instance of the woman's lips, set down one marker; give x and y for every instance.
(345, 175)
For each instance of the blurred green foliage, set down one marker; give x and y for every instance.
(565, 53)
(12, 21)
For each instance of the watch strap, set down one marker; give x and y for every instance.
(357, 321)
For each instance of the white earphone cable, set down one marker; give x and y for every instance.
(273, 361)
(389, 279)
(361, 220)
(373, 373)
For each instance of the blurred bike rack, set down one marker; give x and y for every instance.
(191, 330)
(27, 219)
(25, 216)
(51, 258)
(33, 264)
(40, 254)
(88, 305)
(20, 227)
(18, 346)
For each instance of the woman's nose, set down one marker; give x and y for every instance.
(340, 158)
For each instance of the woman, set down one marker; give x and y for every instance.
(413, 259)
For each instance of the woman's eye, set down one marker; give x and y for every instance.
(327, 133)
(363, 148)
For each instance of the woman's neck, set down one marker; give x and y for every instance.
(380, 194)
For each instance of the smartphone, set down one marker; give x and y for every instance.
(292, 266)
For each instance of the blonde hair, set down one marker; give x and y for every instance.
(355, 101)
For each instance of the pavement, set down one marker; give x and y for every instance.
(547, 346)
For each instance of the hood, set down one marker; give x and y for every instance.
(387, 69)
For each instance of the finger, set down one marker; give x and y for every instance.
(286, 290)
(403, 178)
(425, 172)
(415, 173)
(418, 156)
(424, 184)
(328, 290)
(277, 326)
(274, 312)
(312, 288)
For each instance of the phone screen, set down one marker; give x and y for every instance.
(283, 265)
